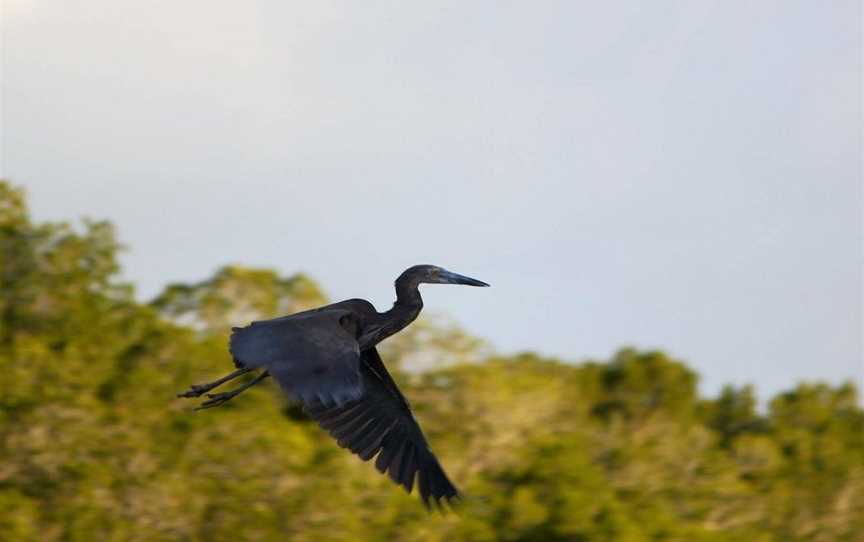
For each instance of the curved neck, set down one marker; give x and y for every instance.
(408, 293)
(406, 309)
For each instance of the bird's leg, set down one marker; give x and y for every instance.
(217, 399)
(197, 390)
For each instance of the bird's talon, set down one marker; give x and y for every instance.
(216, 399)
(209, 404)
(194, 390)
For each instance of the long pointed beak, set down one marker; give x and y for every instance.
(449, 277)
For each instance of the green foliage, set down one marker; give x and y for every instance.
(95, 446)
(237, 294)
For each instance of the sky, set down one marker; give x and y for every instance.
(676, 175)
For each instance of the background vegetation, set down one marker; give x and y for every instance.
(96, 447)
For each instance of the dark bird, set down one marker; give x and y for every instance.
(326, 359)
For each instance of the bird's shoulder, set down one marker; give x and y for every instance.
(361, 307)
(358, 307)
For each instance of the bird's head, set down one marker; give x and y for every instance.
(432, 274)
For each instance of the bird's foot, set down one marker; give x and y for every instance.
(218, 399)
(196, 390)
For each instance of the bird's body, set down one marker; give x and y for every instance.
(326, 358)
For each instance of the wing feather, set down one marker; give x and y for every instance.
(312, 355)
(381, 423)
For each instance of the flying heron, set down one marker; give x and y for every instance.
(326, 359)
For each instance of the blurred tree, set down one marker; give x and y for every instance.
(733, 413)
(432, 342)
(637, 384)
(236, 295)
(94, 446)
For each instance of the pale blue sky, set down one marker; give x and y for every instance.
(680, 175)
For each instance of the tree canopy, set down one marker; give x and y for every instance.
(95, 446)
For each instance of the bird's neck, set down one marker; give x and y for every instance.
(408, 293)
(407, 307)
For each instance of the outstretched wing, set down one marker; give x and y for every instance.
(381, 421)
(313, 355)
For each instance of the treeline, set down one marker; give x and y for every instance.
(95, 446)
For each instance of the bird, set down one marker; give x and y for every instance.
(326, 358)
